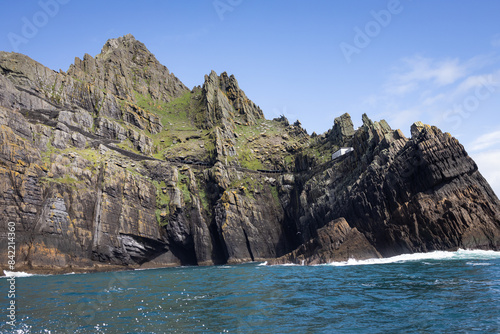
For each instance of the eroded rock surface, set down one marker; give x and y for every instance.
(335, 242)
(116, 164)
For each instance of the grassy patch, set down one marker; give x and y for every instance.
(268, 144)
(162, 203)
(47, 153)
(128, 145)
(205, 203)
(274, 192)
(90, 154)
(173, 114)
(248, 185)
(182, 185)
(66, 179)
(180, 136)
(248, 160)
(149, 104)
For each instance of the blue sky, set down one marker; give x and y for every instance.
(404, 61)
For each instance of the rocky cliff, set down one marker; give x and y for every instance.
(116, 164)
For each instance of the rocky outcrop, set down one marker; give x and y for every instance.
(115, 164)
(124, 68)
(225, 105)
(335, 242)
(249, 112)
(71, 212)
(249, 234)
(405, 195)
(226, 102)
(342, 131)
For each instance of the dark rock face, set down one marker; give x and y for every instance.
(342, 131)
(224, 104)
(335, 242)
(125, 66)
(249, 235)
(82, 177)
(450, 204)
(223, 97)
(405, 195)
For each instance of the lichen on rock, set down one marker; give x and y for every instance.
(116, 164)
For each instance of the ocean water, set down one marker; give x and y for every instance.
(440, 292)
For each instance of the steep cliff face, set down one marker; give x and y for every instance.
(69, 207)
(224, 106)
(249, 221)
(125, 68)
(405, 195)
(116, 164)
(336, 241)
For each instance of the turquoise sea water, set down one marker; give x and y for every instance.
(438, 292)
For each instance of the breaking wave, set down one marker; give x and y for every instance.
(16, 274)
(460, 254)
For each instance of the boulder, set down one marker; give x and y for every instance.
(335, 242)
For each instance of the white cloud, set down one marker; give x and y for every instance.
(471, 83)
(447, 72)
(488, 163)
(433, 99)
(402, 88)
(490, 81)
(415, 73)
(486, 141)
(417, 70)
(449, 93)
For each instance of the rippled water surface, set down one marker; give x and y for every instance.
(425, 293)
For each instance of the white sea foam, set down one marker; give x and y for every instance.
(25, 329)
(24, 274)
(16, 274)
(478, 264)
(460, 254)
(287, 265)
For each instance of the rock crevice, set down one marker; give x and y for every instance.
(116, 164)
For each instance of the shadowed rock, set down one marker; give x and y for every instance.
(335, 242)
(116, 164)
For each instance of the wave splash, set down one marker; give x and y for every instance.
(16, 274)
(460, 254)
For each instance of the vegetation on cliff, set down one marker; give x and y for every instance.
(116, 163)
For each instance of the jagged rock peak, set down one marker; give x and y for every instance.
(367, 122)
(244, 108)
(344, 124)
(126, 67)
(342, 131)
(127, 47)
(421, 131)
(122, 40)
(381, 126)
(416, 128)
